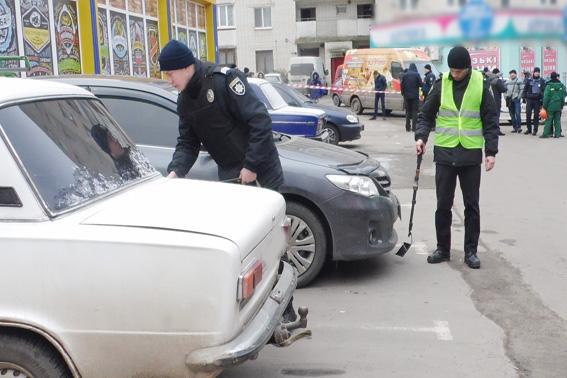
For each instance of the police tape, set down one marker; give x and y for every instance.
(339, 89)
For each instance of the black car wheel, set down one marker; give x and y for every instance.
(356, 105)
(334, 134)
(307, 243)
(30, 358)
(336, 100)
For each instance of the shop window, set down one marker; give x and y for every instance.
(263, 17)
(307, 14)
(364, 11)
(226, 16)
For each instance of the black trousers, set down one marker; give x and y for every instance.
(532, 106)
(446, 181)
(379, 97)
(412, 107)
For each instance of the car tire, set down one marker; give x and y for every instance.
(307, 243)
(26, 356)
(334, 134)
(336, 100)
(356, 105)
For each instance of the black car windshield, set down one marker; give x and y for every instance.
(72, 150)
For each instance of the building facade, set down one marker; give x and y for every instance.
(328, 28)
(258, 34)
(515, 53)
(110, 37)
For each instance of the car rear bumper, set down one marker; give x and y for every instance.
(256, 334)
(364, 226)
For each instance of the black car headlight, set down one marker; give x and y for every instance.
(362, 185)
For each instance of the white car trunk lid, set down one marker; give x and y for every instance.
(171, 203)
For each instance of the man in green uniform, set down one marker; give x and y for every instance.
(462, 110)
(553, 102)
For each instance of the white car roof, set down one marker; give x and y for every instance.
(14, 89)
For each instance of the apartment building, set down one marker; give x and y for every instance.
(258, 34)
(328, 28)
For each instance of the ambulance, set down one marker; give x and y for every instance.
(356, 83)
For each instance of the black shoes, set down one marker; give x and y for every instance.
(372, 118)
(472, 260)
(527, 132)
(501, 133)
(438, 256)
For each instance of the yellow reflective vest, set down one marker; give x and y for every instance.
(462, 126)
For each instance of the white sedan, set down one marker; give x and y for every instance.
(109, 269)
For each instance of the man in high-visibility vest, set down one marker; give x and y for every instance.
(462, 110)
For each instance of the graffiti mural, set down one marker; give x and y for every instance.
(137, 42)
(120, 61)
(202, 46)
(193, 42)
(37, 41)
(67, 37)
(8, 42)
(103, 42)
(153, 46)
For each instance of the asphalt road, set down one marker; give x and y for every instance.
(401, 317)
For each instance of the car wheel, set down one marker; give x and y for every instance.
(334, 135)
(307, 243)
(356, 105)
(29, 358)
(336, 100)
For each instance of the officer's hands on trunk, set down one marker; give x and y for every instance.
(172, 174)
(247, 176)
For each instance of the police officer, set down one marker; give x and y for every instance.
(218, 109)
(462, 109)
(428, 80)
(532, 93)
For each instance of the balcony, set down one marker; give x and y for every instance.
(331, 29)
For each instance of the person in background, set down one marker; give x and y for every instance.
(260, 75)
(532, 93)
(428, 81)
(498, 87)
(247, 72)
(315, 93)
(513, 97)
(553, 102)
(380, 85)
(410, 85)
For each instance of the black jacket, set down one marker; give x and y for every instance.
(498, 87)
(459, 156)
(380, 83)
(219, 110)
(529, 93)
(428, 82)
(411, 82)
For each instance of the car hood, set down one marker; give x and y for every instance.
(326, 155)
(294, 110)
(225, 210)
(331, 111)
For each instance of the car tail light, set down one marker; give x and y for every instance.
(249, 280)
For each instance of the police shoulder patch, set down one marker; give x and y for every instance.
(237, 86)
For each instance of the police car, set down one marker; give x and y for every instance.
(306, 122)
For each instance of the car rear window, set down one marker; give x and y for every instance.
(72, 150)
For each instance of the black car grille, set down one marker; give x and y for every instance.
(384, 181)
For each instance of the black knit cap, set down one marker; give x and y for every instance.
(554, 75)
(427, 66)
(537, 69)
(174, 56)
(459, 58)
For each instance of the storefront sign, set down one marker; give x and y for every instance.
(549, 61)
(527, 59)
(489, 57)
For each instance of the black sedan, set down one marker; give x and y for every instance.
(339, 201)
(341, 124)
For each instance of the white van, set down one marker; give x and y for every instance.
(302, 67)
